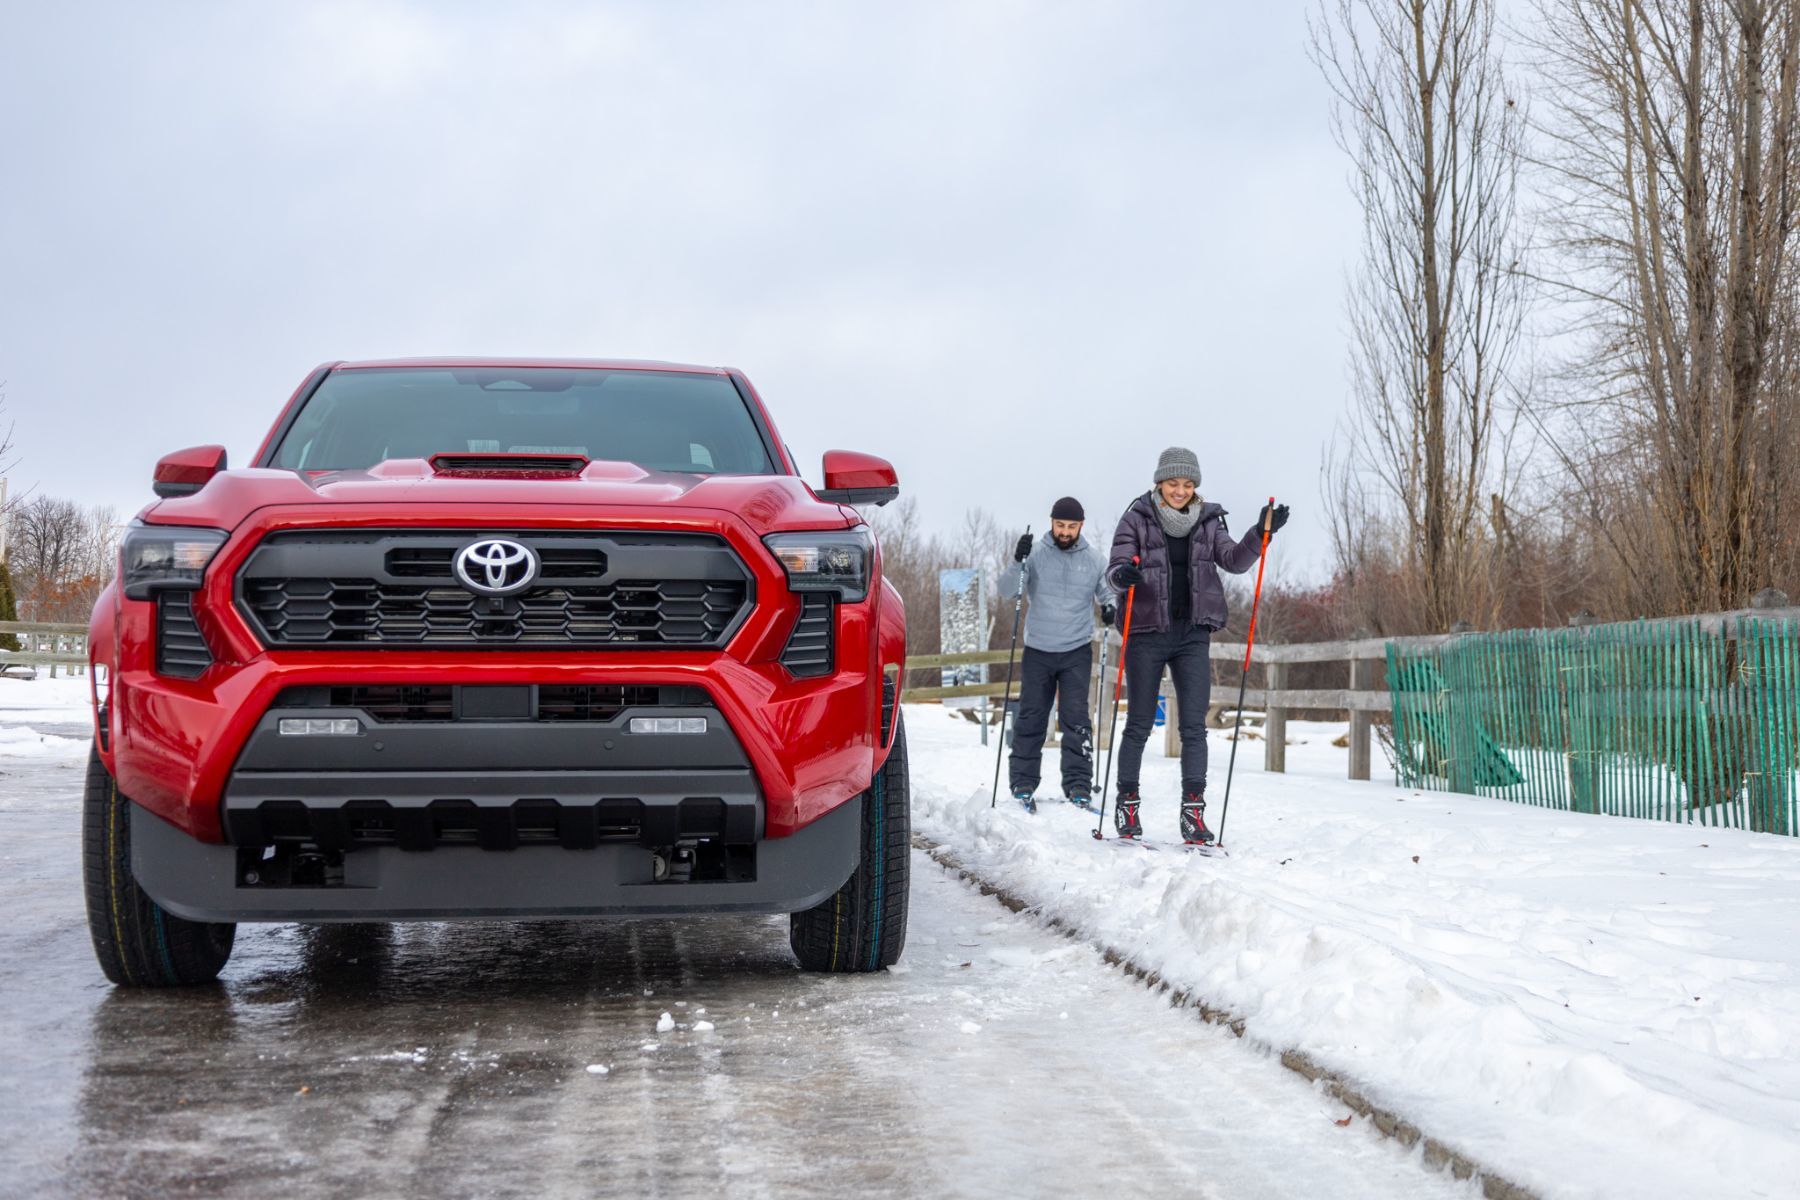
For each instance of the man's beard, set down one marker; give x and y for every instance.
(1065, 543)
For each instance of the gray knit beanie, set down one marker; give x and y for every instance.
(1178, 462)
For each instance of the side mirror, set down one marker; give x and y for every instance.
(852, 478)
(186, 471)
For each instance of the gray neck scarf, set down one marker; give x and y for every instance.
(1176, 522)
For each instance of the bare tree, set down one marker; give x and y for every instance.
(911, 558)
(8, 500)
(1436, 305)
(6, 436)
(1673, 138)
(61, 556)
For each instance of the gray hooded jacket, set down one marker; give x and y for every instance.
(1062, 587)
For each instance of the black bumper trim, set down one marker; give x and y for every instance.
(199, 880)
(425, 810)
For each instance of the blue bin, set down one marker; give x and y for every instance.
(1162, 711)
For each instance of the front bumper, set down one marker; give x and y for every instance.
(205, 882)
(496, 782)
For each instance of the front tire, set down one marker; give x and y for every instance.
(862, 927)
(138, 942)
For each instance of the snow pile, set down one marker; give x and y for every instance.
(22, 742)
(1590, 1004)
(45, 701)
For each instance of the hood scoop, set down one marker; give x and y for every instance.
(509, 466)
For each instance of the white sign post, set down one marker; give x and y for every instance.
(963, 628)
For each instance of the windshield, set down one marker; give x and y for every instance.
(660, 420)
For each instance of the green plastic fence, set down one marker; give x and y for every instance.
(1652, 719)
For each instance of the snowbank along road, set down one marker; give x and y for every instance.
(644, 1059)
(1587, 1006)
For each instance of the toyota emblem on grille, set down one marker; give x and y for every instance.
(496, 566)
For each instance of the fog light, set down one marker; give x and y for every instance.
(317, 727)
(668, 724)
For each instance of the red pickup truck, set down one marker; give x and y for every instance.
(486, 638)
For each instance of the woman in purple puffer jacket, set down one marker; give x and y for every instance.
(1170, 545)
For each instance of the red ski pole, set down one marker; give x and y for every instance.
(1262, 557)
(1112, 737)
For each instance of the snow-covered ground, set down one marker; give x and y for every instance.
(44, 701)
(1593, 1005)
(25, 703)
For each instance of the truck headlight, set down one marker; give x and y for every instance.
(836, 560)
(154, 557)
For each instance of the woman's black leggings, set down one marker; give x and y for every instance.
(1186, 655)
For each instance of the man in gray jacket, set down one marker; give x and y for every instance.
(1064, 580)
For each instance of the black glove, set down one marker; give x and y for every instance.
(1128, 576)
(1024, 550)
(1108, 614)
(1275, 521)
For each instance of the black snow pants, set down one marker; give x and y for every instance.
(1063, 677)
(1186, 653)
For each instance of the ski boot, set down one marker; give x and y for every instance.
(1080, 799)
(1026, 799)
(1125, 815)
(1193, 820)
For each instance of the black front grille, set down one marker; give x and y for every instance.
(560, 563)
(593, 702)
(181, 650)
(809, 647)
(389, 704)
(394, 589)
(311, 612)
(529, 821)
(405, 703)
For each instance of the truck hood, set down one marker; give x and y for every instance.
(767, 503)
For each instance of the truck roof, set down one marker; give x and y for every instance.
(565, 364)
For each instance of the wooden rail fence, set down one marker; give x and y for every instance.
(46, 644)
(1362, 700)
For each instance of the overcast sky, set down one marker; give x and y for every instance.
(1017, 248)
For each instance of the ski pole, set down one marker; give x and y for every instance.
(1099, 713)
(1006, 696)
(1249, 641)
(1112, 737)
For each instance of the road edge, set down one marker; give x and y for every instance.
(1438, 1154)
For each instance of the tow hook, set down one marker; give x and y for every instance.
(674, 863)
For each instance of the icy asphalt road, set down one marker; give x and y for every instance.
(466, 1060)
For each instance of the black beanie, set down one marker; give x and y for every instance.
(1067, 509)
